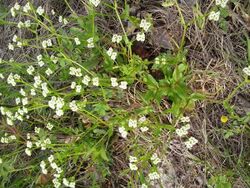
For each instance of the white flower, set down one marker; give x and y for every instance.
(142, 119)
(144, 129)
(77, 41)
(17, 6)
(181, 132)
(44, 44)
(73, 85)
(95, 2)
(60, 19)
(185, 119)
(144, 185)
(48, 72)
(19, 44)
(33, 92)
(40, 63)
(95, 81)
(133, 167)
(26, 7)
(90, 42)
(214, 16)
(39, 57)
(37, 130)
(51, 158)
(75, 71)
(116, 38)
(49, 42)
(18, 100)
(13, 13)
(191, 142)
(123, 132)
(65, 21)
(223, 3)
(114, 82)
(28, 151)
(54, 59)
(27, 23)
(73, 106)
(145, 25)
(155, 159)
(132, 123)
(29, 144)
(11, 46)
(40, 10)
(86, 80)
(30, 70)
(53, 12)
(49, 126)
(111, 53)
(25, 101)
(1, 76)
(78, 88)
(44, 171)
(123, 85)
(14, 39)
(1, 160)
(154, 176)
(246, 70)
(140, 37)
(20, 24)
(133, 159)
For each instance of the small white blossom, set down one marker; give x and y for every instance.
(140, 37)
(214, 16)
(20, 24)
(73, 85)
(11, 46)
(73, 106)
(95, 81)
(53, 12)
(114, 82)
(90, 42)
(123, 132)
(78, 88)
(30, 70)
(77, 41)
(95, 2)
(123, 85)
(86, 80)
(133, 167)
(26, 7)
(191, 142)
(116, 38)
(48, 71)
(133, 159)
(144, 129)
(132, 123)
(49, 126)
(27, 23)
(145, 25)
(14, 39)
(154, 176)
(28, 151)
(111, 53)
(246, 70)
(40, 10)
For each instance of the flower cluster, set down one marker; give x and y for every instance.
(12, 79)
(95, 2)
(116, 38)
(183, 131)
(75, 71)
(132, 163)
(160, 60)
(145, 26)
(154, 175)
(90, 42)
(63, 20)
(7, 138)
(114, 83)
(221, 3)
(155, 159)
(246, 70)
(47, 43)
(214, 16)
(111, 53)
(191, 142)
(133, 123)
(57, 103)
